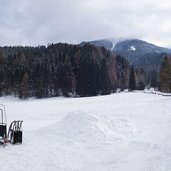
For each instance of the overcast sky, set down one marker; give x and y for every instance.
(37, 22)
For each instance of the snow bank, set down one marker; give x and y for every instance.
(153, 91)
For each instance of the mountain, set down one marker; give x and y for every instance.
(109, 44)
(139, 46)
(138, 51)
(140, 54)
(132, 49)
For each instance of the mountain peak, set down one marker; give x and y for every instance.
(129, 45)
(109, 44)
(138, 52)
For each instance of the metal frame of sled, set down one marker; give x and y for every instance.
(14, 134)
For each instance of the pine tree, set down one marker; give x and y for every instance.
(154, 80)
(23, 90)
(165, 76)
(132, 84)
(105, 80)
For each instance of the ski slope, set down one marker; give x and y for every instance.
(119, 132)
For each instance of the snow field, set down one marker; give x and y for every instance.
(119, 132)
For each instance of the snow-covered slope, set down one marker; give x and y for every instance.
(138, 52)
(120, 132)
(109, 44)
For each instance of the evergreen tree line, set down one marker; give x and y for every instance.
(165, 75)
(160, 80)
(63, 69)
(72, 70)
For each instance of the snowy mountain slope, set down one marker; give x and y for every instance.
(109, 44)
(129, 46)
(141, 53)
(137, 52)
(141, 46)
(124, 131)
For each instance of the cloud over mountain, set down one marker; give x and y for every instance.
(29, 22)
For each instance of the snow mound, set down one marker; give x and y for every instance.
(79, 127)
(82, 127)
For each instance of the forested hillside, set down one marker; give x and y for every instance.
(63, 69)
(140, 54)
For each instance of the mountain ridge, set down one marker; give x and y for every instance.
(108, 43)
(139, 53)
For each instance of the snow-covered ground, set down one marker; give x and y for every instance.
(119, 132)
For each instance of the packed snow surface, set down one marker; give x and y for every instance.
(119, 132)
(132, 48)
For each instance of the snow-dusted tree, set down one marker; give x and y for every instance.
(165, 76)
(132, 83)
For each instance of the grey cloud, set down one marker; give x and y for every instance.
(30, 22)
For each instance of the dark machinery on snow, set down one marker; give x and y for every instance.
(14, 134)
